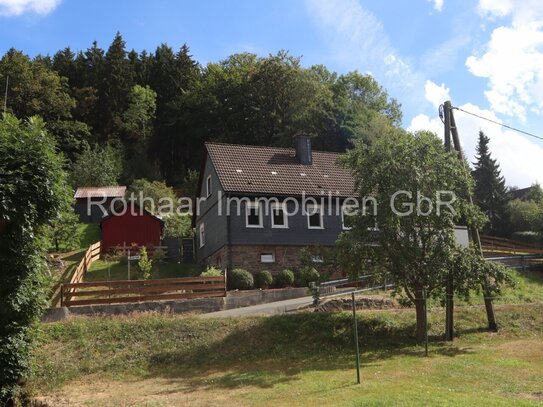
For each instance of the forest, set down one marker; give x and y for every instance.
(118, 115)
(121, 116)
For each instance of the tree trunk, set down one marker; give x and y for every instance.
(419, 308)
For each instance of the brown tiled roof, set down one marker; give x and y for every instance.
(276, 171)
(99, 192)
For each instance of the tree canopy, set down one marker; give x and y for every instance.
(32, 191)
(490, 192)
(406, 176)
(156, 109)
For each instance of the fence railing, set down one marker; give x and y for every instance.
(123, 291)
(522, 262)
(92, 254)
(496, 246)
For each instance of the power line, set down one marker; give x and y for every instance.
(499, 124)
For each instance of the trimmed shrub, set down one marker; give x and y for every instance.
(306, 275)
(527, 237)
(212, 272)
(263, 279)
(285, 278)
(240, 279)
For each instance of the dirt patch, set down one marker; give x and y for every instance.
(156, 392)
(529, 350)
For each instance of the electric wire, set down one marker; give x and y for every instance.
(499, 124)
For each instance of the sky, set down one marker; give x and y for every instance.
(486, 56)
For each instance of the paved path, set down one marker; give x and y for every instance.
(271, 308)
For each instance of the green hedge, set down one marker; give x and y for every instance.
(240, 279)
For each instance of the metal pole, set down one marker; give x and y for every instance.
(425, 322)
(355, 328)
(128, 261)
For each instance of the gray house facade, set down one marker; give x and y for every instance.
(257, 207)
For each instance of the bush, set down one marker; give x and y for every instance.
(527, 237)
(306, 275)
(285, 278)
(240, 279)
(158, 255)
(145, 264)
(211, 272)
(263, 279)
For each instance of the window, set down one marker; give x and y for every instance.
(317, 258)
(253, 215)
(208, 186)
(314, 216)
(267, 257)
(202, 235)
(347, 214)
(279, 215)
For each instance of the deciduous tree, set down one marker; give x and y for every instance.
(415, 244)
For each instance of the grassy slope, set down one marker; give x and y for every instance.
(90, 233)
(304, 359)
(117, 271)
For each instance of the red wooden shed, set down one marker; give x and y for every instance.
(130, 224)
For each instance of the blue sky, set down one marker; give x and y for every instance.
(485, 55)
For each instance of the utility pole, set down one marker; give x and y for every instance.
(449, 288)
(451, 129)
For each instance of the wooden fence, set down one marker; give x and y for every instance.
(92, 254)
(122, 291)
(498, 246)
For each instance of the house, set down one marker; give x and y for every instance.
(93, 203)
(128, 224)
(232, 230)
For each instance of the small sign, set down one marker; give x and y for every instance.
(136, 257)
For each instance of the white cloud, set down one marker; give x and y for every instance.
(438, 4)
(519, 158)
(512, 60)
(435, 94)
(359, 41)
(498, 8)
(10, 8)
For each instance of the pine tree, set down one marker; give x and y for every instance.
(490, 189)
(115, 87)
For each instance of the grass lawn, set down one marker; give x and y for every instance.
(303, 359)
(90, 233)
(117, 271)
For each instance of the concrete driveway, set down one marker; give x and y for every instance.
(271, 308)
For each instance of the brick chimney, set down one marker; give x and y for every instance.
(302, 143)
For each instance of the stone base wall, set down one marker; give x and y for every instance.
(248, 257)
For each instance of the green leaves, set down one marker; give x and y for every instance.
(32, 191)
(412, 180)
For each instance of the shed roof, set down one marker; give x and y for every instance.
(117, 191)
(277, 171)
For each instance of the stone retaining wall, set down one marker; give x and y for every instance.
(233, 299)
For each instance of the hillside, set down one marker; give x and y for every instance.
(302, 359)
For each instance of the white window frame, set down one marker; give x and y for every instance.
(309, 213)
(316, 258)
(202, 234)
(209, 186)
(283, 207)
(271, 259)
(251, 205)
(343, 226)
